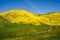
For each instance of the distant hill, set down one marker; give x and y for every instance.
(52, 18)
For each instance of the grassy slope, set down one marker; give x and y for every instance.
(29, 32)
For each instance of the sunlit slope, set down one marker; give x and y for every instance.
(22, 16)
(52, 18)
(17, 16)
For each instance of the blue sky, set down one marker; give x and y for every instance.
(34, 6)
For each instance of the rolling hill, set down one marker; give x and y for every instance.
(24, 25)
(17, 16)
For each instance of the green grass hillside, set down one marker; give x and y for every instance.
(23, 30)
(29, 32)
